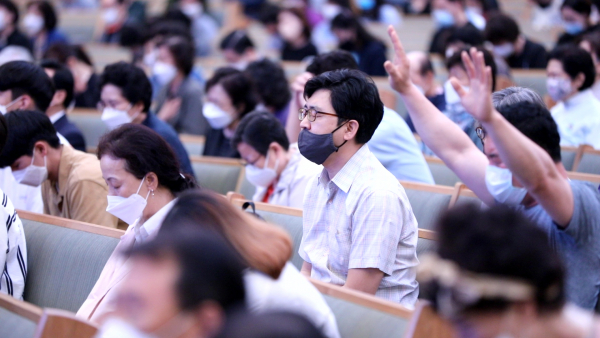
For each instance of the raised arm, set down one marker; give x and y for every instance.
(530, 164)
(440, 134)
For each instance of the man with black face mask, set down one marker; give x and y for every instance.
(359, 228)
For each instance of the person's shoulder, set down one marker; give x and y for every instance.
(85, 168)
(191, 87)
(373, 176)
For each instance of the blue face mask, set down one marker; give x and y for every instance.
(366, 5)
(573, 28)
(442, 17)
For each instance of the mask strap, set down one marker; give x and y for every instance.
(33, 157)
(341, 125)
(13, 102)
(140, 187)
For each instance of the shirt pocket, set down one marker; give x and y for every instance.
(340, 242)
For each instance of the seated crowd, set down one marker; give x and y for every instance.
(525, 261)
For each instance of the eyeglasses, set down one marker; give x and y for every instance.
(311, 113)
(246, 163)
(480, 133)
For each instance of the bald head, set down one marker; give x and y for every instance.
(421, 71)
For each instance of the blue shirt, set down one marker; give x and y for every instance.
(396, 148)
(168, 133)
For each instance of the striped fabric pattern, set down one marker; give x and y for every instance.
(13, 251)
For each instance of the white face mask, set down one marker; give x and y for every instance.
(150, 59)
(164, 72)
(192, 10)
(558, 88)
(4, 108)
(450, 94)
(128, 209)
(216, 117)
(330, 11)
(499, 183)
(33, 24)
(504, 50)
(32, 175)
(110, 15)
(113, 118)
(262, 177)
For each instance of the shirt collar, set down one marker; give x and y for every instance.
(345, 177)
(57, 116)
(578, 99)
(152, 224)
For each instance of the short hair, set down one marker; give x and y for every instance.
(238, 41)
(467, 34)
(575, 60)
(61, 52)
(3, 132)
(535, 122)
(354, 96)
(62, 79)
(238, 87)
(259, 130)
(166, 28)
(512, 95)
(25, 128)
(144, 151)
(268, 14)
(501, 242)
(580, 6)
(12, 8)
(347, 20)
(426, 66)
(26, 78)
(48, 13)
(132, 81)
(338, 59)
(182, 50)
(501, 28)
(270, 83)
(209, 269)
(456, 60)
(593, 38)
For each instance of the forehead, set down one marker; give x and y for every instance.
(321, 100)
(112, 167)
(247, 151)
(112, 92)
(555, 66)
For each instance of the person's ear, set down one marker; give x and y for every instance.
(26, 102)
(136, 109)
(41, 147)
(151, 181)
(350, 130)
(59, 97)
(578, 81)
(210, 316)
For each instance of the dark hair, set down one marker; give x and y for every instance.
(175, 14)
(183, 52)
(3, 132)
(575, 60)
(144, 151)
(132, 81)
(61, 52)
(456, 60)
(238, 41)
(299, 13)
(269, 325)
(259, 130)
(166, 28)
(48, 13)
(593, 39)
(62, 79)
(354, 96)
(268, 13)
(210, 269)
(580, 6)
(502, 242)
(535, 122)
(426, 66)
(25, 128)
(467, 34)
(12, 8)
(347, 20)
(238, 87)
(26, 78)
(501, 28)
(338, 59)
(270, 83)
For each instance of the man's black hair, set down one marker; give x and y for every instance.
(456, 60)
(238, 41)
(259, 130)
(338, 59)
(26, 78)
(270, 82)
(501, 28)
(62, 79)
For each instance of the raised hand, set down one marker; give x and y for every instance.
(398, 68)
(477, 100)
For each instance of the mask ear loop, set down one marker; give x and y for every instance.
(149, 191)
(336, 129)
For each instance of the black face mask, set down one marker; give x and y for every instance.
(317, 148)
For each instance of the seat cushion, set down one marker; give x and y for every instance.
(216, 177)
(427, 206)
(15, 326)
(589, 164)
(293, 225)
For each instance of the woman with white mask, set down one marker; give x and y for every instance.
(179, 101)
(143, 178)
(40, 23)
(229, 96)
(274, 166)
(571, 74)
(295, 31)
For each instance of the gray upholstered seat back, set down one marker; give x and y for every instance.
(293, 225)
(91, 126)
(14, 326)
(442, 175)
(568, 158)
(425, 245)
(589, 164)
(427, 206)
(356, 321)
(63, 264)
(219, 178)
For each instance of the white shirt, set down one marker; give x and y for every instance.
(289, 189)
(57, 116)
(23, 196)
(291, 292)
(148, 229)
(361, 218)
(13, 250)
(578, 118)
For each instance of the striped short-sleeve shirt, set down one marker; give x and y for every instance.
(13, 251)
(361, 219)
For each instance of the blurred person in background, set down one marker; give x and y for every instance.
(295, 31)
(180, 285)
(354, 38)
(591, 43)
(571, 74)
(379, 11)
(448, 16)
(87, 82)
(503, 33)
(322, 34)
(272, 282)
(204, 28)
(238, 49)
(63, 97)
(40, 23)
(422, 74)
(115, 15)
(229, 96)
(575, 16)
(269, 16)
(271, 86)
(179, 102)
(10, 35)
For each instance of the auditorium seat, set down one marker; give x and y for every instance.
(463, 195)
(90, 124)
(594, 179)
(218, 174)
(567, 155)
(426, 323)
(531, 78)
(245, 187)
(587, 160)
(442, 175)
(427, 201)
(65, 259)
(193, 144)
